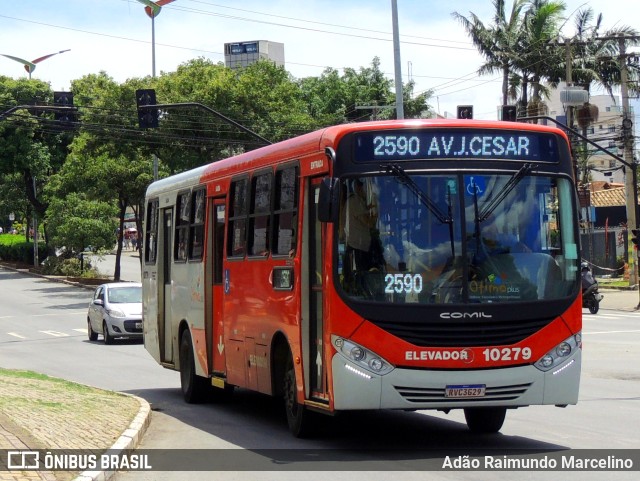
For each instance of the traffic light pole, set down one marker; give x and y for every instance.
(210, 110)
(633, 166)
(44, 108)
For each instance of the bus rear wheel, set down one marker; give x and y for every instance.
(298, 418)
(194, 388)
(485, 420)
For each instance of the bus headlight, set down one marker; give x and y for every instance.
(558, 354)
(360, 356)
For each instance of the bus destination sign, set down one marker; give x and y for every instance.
(455, 144)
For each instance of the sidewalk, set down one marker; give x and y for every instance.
(618, 299)
(41, 412)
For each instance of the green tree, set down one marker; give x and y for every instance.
(77, 223)
(540, 54)
(499, 43)
(105, 164)
(31, 144)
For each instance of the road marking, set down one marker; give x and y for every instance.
(83, 331)
(55, 333)
(16, 335)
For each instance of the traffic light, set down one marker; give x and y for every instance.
(509, 113)
(465, 111)
(68, 115)
(147, 116)
(635, 237)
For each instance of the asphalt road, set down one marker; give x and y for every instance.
(43, 328)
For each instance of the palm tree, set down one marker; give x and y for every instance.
(539, 54)
(596, 61)
(497, 43)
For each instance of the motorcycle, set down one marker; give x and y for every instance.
(590, 296)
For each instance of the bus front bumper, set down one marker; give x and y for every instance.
(355, 388)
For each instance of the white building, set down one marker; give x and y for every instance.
(243, 54)
(606, 131)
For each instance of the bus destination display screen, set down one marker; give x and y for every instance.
(455, 144)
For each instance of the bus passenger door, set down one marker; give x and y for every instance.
(214, 316)
(164, 299)
(313, 233)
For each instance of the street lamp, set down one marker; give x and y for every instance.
(31, 66)
(153, 10)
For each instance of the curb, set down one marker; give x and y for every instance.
(128, 440)
(61, 280)
(131, 437)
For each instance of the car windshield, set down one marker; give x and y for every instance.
(124, 295)
(458, 238)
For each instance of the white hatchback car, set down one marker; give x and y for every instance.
(115, 311)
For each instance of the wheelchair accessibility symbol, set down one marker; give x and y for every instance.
(475, 185)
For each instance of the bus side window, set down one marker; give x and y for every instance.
(196, 232)
(285, 215)
(150, 243)
(260, 214)
(183, 208)
(237, 241)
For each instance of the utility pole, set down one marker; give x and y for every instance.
(631, 172)
(397, 64)
(629, 180)
(569, 79)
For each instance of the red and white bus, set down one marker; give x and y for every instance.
(418, 264)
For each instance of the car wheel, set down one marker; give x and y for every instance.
(93, 335)
(105, 333)
(194, 388)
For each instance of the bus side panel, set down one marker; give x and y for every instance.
(150, 311)
(187, 304)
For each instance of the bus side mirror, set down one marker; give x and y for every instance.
(328, 200)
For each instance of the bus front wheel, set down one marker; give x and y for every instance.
(298, 418)
(194, 388)
(485, 420)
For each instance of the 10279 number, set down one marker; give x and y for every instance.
(507, 354)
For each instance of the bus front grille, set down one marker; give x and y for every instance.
(435, 395)
(463, 334)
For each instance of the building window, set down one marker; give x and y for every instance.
(237, 241)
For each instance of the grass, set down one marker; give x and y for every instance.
(613, 283)
(60, 414)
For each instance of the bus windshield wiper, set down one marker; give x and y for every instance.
(506, 190)
(405, 179)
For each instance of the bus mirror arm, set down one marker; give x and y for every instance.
(328, 200)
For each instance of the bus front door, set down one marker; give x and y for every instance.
(314, 236)
(214, 324)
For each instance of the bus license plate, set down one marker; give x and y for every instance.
(464, 391)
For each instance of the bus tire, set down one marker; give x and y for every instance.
(485, 420)
(297, 416)
(194, 388)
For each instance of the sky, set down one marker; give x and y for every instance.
(114, 36)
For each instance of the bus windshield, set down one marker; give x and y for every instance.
(456, 238)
